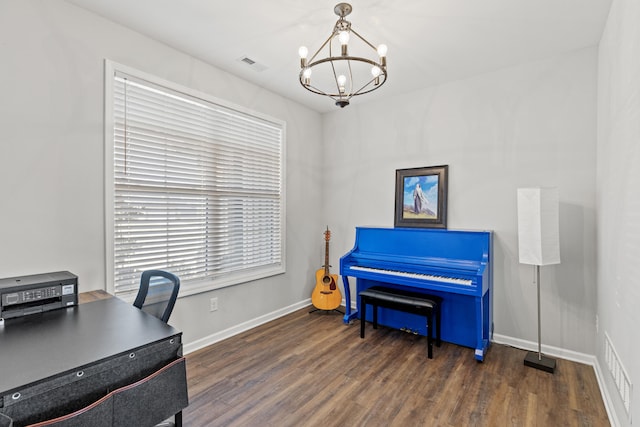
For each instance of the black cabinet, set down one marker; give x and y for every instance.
(140, 381)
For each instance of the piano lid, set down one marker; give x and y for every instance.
(449, 248)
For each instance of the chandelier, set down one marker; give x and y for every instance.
(348, 69)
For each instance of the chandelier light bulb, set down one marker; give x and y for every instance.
(303, 52)
(306, 76)
(375, 72)
(342, 80)
(382, 52)
(343, 37)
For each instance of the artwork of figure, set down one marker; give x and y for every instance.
(418, 199)
(421, 197)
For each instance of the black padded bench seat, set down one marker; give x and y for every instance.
(407, 301)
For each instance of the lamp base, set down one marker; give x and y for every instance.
(543, 362)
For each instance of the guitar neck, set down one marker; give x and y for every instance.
(326, 258)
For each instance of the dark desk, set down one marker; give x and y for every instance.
(58, 362)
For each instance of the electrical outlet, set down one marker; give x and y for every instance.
(213, 304)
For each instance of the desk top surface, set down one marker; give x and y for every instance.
(39, 346)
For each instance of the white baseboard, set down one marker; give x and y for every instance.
(235, 330)
(606, 397)
(574, 356)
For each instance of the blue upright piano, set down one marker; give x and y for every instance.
(452, 264)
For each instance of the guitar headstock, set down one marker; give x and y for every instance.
(327, 235)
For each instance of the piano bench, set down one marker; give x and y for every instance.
(411, 302)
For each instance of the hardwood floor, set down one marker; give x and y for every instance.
(312, 370)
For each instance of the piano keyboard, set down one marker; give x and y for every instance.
(443, 279)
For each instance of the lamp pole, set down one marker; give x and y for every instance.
(539, 322)
(539, 361)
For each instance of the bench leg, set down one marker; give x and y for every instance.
(363, 315)
(437, 320)
(375, 315)
(429, 316)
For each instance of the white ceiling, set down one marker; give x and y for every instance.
(430, 41)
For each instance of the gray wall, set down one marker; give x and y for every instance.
(531, 125)
(52, 156)
(618, 201)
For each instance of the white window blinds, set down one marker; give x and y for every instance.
(197, 188)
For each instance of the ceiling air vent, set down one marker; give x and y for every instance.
(256, 66)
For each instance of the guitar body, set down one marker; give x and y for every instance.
(326, 295)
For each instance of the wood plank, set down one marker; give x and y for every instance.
(89, 296)
(310, 369)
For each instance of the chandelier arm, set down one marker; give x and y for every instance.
(356, 93)
(364, 40)
(335, 77)
(333, 69)
(321, 92)
(322, 47)
(350, 79)
(317, 90)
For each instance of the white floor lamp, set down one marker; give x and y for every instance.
(539, 244)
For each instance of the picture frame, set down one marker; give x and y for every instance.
(421, 197)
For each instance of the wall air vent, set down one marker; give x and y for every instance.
(619, 374)
(254, 65)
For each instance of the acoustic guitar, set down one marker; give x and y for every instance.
(326, 295)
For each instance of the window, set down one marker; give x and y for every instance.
(193, 185)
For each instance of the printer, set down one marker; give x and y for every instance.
(25, 295)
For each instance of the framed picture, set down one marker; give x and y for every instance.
(421, 197)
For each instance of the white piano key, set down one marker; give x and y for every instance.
(442, 279)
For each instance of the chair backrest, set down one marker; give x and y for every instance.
(158, 293)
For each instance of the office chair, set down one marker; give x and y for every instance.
(158, 293)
